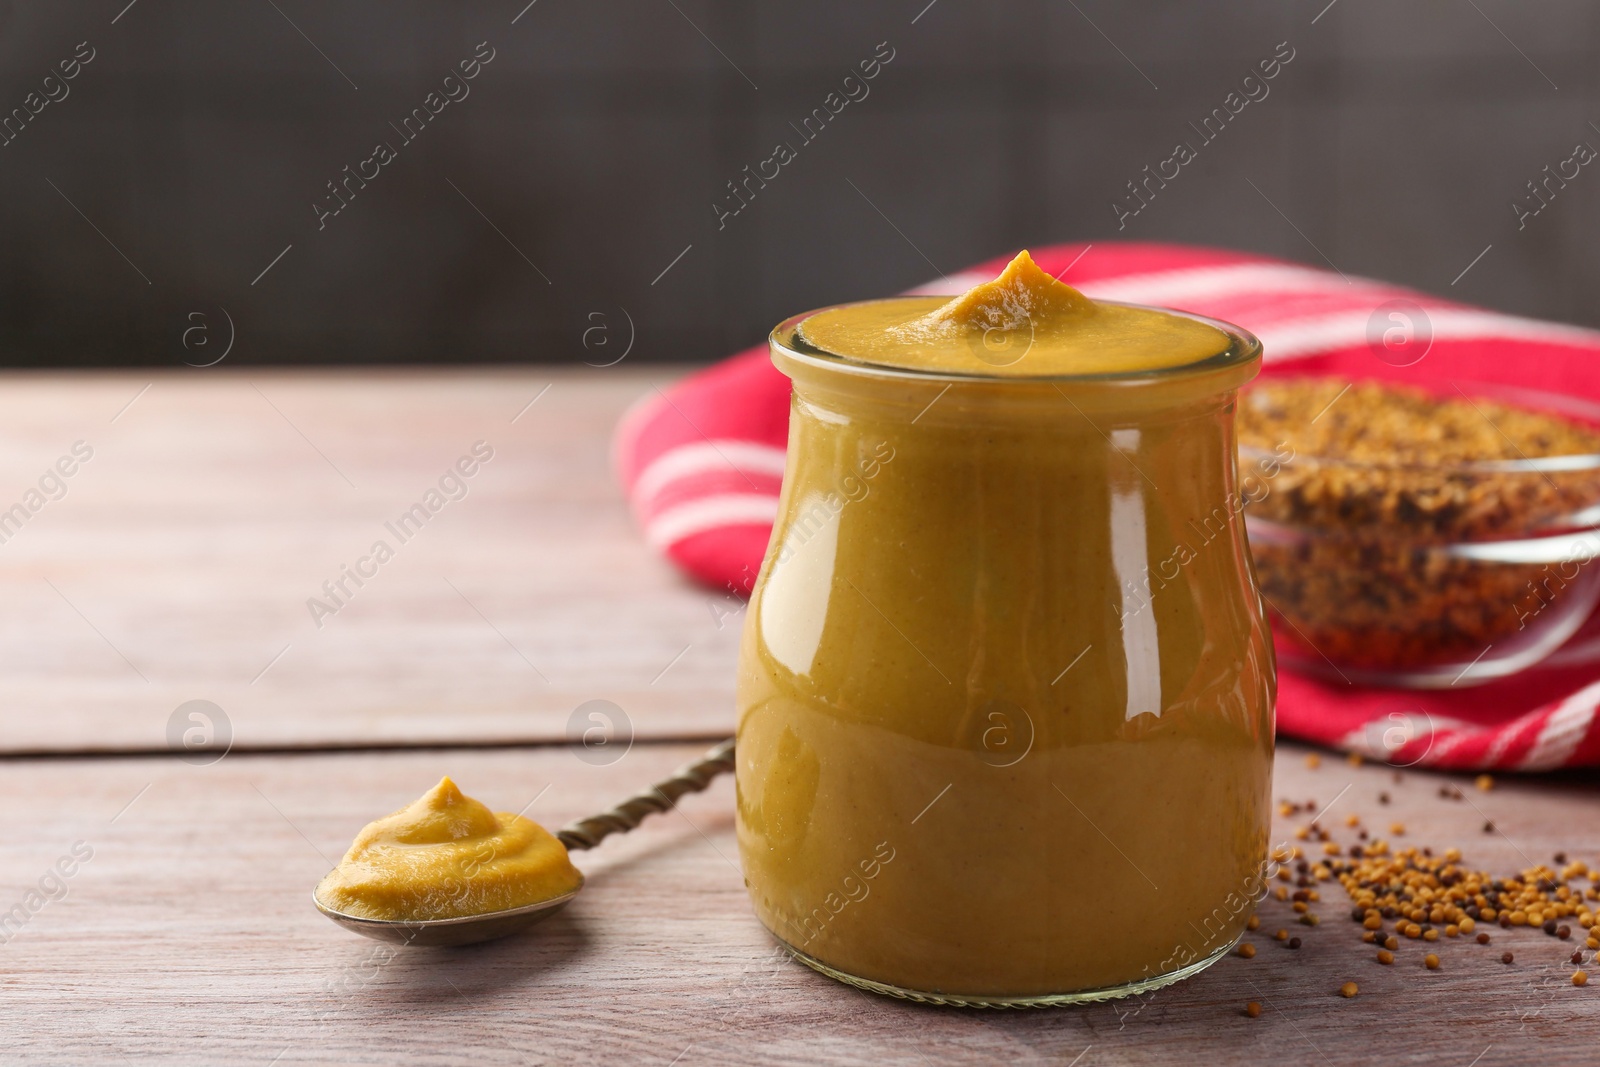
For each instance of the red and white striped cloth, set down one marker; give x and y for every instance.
(702, 463)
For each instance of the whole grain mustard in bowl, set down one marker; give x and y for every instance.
(1420, 535)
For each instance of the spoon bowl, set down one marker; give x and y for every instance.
(448, 933)
(580, 835)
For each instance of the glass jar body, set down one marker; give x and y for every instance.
(1005, 689)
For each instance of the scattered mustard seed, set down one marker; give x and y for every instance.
(1385, 956)
(1580, 977)
(1313, 761)
(1253, 1009)
(1484, 782)
(1254, 923)
(1348, 990)
(1431, 961)
(1248, 951)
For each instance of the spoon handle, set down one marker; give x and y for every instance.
(690, 778)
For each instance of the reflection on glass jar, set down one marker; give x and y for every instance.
(1005, 707)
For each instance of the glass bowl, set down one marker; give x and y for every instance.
(1406, 573)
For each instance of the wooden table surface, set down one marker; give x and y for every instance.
(179, 563)
(176, 568)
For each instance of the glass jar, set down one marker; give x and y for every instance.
(1006, 688)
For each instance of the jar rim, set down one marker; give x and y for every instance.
(1244, 349)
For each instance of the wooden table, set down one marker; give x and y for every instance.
(177, 567)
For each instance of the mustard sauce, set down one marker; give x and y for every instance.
(445, 856)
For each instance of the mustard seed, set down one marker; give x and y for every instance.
(1349, 989)
(1506, 957)
(1484, 782)
(1294, 942)
(1281, 935)
(1580, 977)
(1483, 939)
(1253, 1009)
(1254, 923)
(1247, 951)
(1391, 942)
(1431, 961)
(1385, 956)
(1313, 761)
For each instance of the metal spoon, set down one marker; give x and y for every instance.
(583, 834)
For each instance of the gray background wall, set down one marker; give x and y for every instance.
(591, 149)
